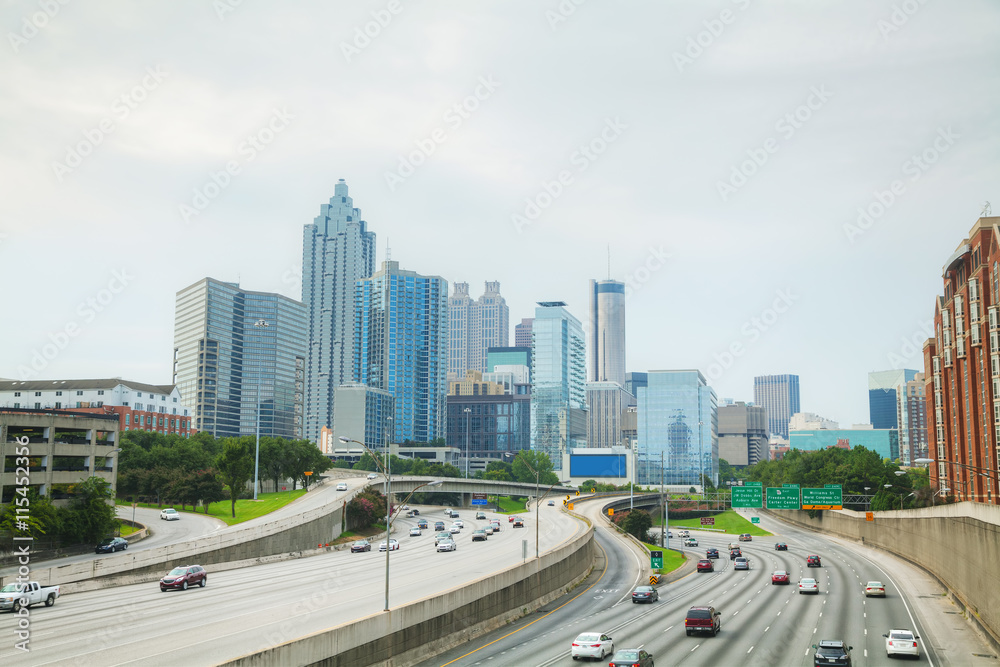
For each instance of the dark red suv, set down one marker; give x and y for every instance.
(703, 619)
(812, 560)
(180, 578)
(705, 565)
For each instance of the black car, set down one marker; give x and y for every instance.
(631, 657)
(645, 594)
(781, 546)
(832, 652)
(712, 553)
(111, 545)
(361, 545)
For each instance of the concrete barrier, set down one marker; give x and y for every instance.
(412, 633)
(954, 542)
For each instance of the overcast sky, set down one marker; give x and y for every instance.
(722, 152)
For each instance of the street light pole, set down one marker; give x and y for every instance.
(467, 411)
(259, 324)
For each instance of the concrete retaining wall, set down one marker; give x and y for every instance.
(956, 543)
(412, 633)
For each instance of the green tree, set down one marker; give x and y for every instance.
(90, 515)
(272, 459)
(42, 518)
(497, 475)
(208, 487)
(527, 461)
(235, 467)
(637, 523)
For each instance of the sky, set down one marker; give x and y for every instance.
(778, 183)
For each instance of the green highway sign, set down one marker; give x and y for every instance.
(753, 483)
(656, 559)
(748, 497)
(783, 498)
(789, 486)
(755, 519)
(831, 497)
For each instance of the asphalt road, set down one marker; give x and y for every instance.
(761, 624)
(245, 610)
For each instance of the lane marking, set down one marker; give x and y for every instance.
(748, 652)
(694, 649)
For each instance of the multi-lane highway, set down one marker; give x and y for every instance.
(245, 610)
(761, 624)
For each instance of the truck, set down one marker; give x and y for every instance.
(15, 596)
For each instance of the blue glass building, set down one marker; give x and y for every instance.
(677, 424)
(401, 346)
(883, 441)
(779, 395)
(884, 390)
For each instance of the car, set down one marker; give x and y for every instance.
(901, 642)
(410, 514)
(832, 652)
(631, 657)
(745, 537)
(645, 594)
(779, 577)
(518, 522)
(488, 530)
(455, 528)
(111, 545)
(459, 523)
(170, 514)
(450, 513)
(393, 545)
(808, 585)
(812, 560)
(670, 533)
(741, 563)
(733, 545)
(479, 535)
(496, 526)
(552, 503)
(446, 545)
(406, 507)
(510, 519)
(422, 524)
(361, 545)
(372, 475)
(415, 511)
(874, 588)
(439, 525)
(683, 533)
(711, 553)
(441, 537)
(703, 619)
(342, 486)
(592, 645)
(735, 553)
(690, 542)
(781, 546)
(415, 531)
(182, 578)
(480, 515)
(705, 565)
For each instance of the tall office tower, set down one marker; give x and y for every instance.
(677, 425)
(913, 420)
(742, 433)
(606, 402)
(558, 379)
(607, 331)
(402, 347)
(884, 390)
(522, 332)
(779, 395)
(233, 345)
(474, 327)
(337, 251)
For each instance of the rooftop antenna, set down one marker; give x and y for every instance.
(388, 250)
(987, 210)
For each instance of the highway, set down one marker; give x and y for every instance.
(761, 624)
(245, 610)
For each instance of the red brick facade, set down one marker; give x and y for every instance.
(141, 420)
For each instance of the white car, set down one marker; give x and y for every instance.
(342, 486)
(392, 546)
(447, 545)
(414, 532)
(592, 645)
(455, 528)
(372, 475)
(874, 588)
(488, 530)
(170, 514)
(808, 586)
(690, 542)
(683, 533)
(459, 523)
(901, 642)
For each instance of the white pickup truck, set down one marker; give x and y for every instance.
(15, 596)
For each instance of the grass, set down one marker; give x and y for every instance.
(126, 530)
(508, 506)
(731, 522)
(245, 509)
(671, 559)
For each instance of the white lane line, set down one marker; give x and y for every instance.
(767, 628)
(748, 652)
(736, 612)
(669, 629)
(814, 630)
(779, 613)
(866, 631)
(694, 649)
(866, 653)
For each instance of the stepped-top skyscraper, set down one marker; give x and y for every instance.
(337, 252)
(607, 331)
(474, 327)
(779, 395)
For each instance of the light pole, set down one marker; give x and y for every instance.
(979, 470)
(538, 501)
(467, 411)
(868, 499)
(259, 325)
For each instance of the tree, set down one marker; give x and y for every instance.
(207, 487)
(42, 519)
(272, 459)
(637, 523)
(90, 516)
(526, 461)
(303, 456)
(235, 467)
(497, 475)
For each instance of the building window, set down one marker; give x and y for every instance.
(58, 405)
(127, 419)
(17, 405)
(38, 393)
(79, 393)
(17, 394)
(58, 393)
(138, 394)
(100, 392)
(38, 406)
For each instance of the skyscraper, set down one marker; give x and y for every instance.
(475, 326)
(607, 331)
(337, 251)
(558, 398)
(884, 390)
(522, 332)
(779, 395)
(230, 344)
(742, 433)
(401, 347)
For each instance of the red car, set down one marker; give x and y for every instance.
(779, 577)
(812, 560)
(180, 578)
(706, 565)
(703, 619)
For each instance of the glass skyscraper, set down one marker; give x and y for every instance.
(607, 331)
(337, 251)
(401, 346)
(779, 395)
(230, 343)
(558, 381)
(678, 426)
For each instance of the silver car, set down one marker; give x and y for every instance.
(741, 563)
(447, 545)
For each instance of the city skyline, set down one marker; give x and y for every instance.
(843, 154)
